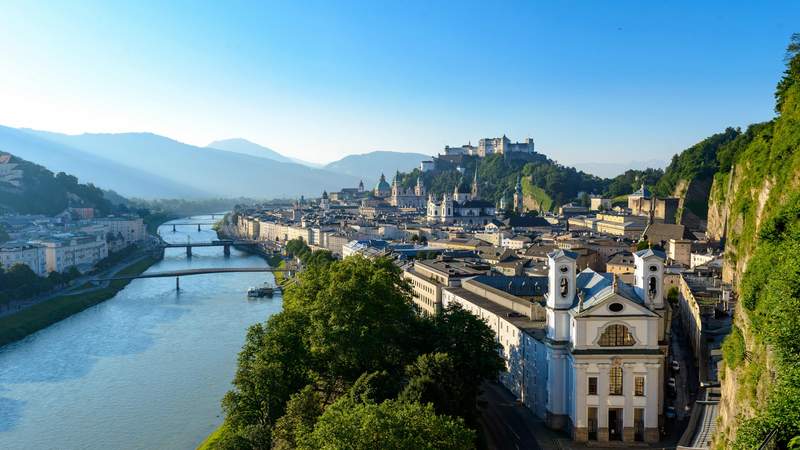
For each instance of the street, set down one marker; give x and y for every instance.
(506, 423)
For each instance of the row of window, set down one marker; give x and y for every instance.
(615, 383)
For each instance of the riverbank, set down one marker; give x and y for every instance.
(42, 315)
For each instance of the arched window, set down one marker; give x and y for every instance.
(564, 287)
(616, 336)
(653, 287)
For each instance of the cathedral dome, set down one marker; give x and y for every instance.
(382, 185)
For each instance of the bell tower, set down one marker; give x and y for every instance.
(649, 277)
(560, 293)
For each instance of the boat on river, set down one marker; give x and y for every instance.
(261, 291)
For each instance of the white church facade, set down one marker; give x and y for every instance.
(589, 356)
(460, 208)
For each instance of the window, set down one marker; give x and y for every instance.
(653, 288)
(616, 336)
(615, 381)
(638, 386)
(592, 385)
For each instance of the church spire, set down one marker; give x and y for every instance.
(475, 193)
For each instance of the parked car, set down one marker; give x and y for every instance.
(676, 366)
(670, 412)
(671, 383)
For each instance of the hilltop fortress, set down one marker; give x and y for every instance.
(490, 146)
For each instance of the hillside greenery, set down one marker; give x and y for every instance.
(544, 180)
(766, 353)
(349, 364)
(698, 161)
(43, 192)
(498, 175)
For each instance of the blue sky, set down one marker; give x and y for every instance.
(591, 81)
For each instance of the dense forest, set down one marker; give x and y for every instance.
(349, 364)
(42, 192)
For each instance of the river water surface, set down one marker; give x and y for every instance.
(143, 370)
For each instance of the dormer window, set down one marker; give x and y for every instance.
(616, 336)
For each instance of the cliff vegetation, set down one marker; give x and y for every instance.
(755, 207)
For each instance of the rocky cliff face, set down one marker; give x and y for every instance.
(755, 209)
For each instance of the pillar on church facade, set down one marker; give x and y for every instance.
(652, 389)
(580, 429)
(602, 402)
(627, 412)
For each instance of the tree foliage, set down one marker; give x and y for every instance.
(348, 335)
(390, 425)
(698, 161)
(770, 286)
(42, 192)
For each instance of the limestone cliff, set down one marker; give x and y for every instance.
(754, 207)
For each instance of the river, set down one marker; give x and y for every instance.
(144, 370)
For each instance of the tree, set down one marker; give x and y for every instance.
(473, 351)
(388, 425)
(433, 378)
(359, 315)
(302, 412)
(273, 364)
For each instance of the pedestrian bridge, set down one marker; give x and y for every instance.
(188, 272)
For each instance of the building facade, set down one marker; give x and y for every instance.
(408, 198)
(594, 366)
(462, 208)
(31, 255)
(81, 251)
(129, 229)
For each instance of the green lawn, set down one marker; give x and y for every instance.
(30, 320)
(211, 440)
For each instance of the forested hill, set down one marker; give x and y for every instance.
(28, 188)
(544, 180)
(754, 206)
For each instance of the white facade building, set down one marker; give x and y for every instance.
(81, 251)
(595, 365)
(130, 229)
(463, 208)
(31, 255)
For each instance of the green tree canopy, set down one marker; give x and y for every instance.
(390, 425)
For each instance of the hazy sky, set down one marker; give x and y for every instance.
(588, 80)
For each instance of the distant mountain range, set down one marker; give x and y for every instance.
(371, 165)
(245, 147)
(149, 166)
